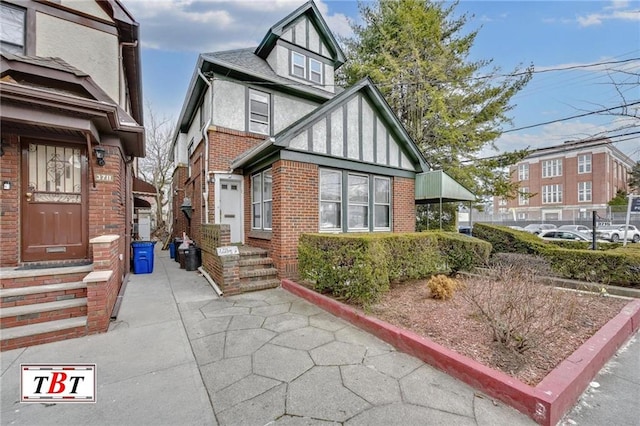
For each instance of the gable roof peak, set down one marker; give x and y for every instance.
(313, 13)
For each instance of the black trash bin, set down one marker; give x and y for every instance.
(176, 243)
(191, 258)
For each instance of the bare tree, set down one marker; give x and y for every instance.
(156, 167)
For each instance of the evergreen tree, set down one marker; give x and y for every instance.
(417, 54)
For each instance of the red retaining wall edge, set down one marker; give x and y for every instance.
(546, 403)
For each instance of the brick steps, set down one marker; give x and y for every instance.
(255, 271)
(42, 305)
(45, 332)
(39, 294)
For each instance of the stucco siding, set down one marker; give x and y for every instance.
(287, 109)
(229, 105)
(89, 7)
(89, 50)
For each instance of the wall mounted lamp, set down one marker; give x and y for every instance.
(99, 152)
(186, 208)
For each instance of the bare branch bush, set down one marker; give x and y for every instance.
(519, 311)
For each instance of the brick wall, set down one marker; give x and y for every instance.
(295, 211)
(103, 283)
(9, 201)
(179, 179)
(404, 205)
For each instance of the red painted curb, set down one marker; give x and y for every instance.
(546, 403)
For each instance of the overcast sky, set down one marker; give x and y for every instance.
(547, 34)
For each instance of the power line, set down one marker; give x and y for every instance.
(571, 117)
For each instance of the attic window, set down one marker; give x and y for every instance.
(315, 71)
(298, 65)
(13, 34)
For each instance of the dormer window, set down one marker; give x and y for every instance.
(306, 68)
(298, 65)
(315, 71)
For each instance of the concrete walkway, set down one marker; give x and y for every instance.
(178, 355)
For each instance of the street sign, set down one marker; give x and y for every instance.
(635, 204)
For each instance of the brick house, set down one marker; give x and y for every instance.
(71, 132)
(568, 181)
(268, 147)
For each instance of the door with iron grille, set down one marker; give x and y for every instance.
(54, 201)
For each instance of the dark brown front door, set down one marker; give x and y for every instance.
(54, 204)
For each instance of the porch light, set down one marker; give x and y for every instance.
(99, 152)
(186, 208)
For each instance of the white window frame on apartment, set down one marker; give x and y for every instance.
(258, 121)
(13, 22)
(190, 149)
(503, 202)
(584, 163)
(523, 196)
(261, 197)
(552, 194)
(552, 168)
(523, 171)
(584, 192)
(522, 215)
(327, 200)
(377, 203)
(299, 67)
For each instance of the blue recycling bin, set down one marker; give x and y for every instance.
(172, 250)
(143, 256)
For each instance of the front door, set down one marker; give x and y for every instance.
(54, 213)
(231, 207)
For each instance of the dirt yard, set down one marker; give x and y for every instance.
(555, 322)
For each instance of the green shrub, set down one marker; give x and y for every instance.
(359, 267)
(610, 264)
(353, 269)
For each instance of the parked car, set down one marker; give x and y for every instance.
(537, 228)
(558, 235)
(576, 228)
(517, 228)
(615, 233)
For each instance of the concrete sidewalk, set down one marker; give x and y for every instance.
(179, 355)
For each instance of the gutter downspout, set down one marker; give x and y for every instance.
(121, 75)
(205, 136)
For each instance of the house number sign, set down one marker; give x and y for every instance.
(101, 177)
(227, 250)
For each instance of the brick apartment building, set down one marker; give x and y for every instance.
(567, 182)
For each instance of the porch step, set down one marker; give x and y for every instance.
(46, 332)
(257, 285)
(248, 252)
(46, 288)
(255, 263)
(15, 278)
(255, 273)
(37, 308)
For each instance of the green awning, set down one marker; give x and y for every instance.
(436, 186)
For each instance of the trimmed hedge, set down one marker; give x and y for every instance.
(610, 264)
(359, 267)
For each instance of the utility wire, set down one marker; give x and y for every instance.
(571, 117)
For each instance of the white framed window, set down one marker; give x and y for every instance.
(522, 216)
(584, 192)
(256, 201)
(298, 65)
(584, 163)
(523, 196)
(552, 194)
(551, 168)
(259, 112)
(330, 200)
(523, 171)
(503, 202)
(315, 71)
(12, 22)
(381, 203)
(262, 200)
(358, 207)
(189, 154)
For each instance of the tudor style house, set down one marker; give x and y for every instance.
(71, 122)
(268, 145)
